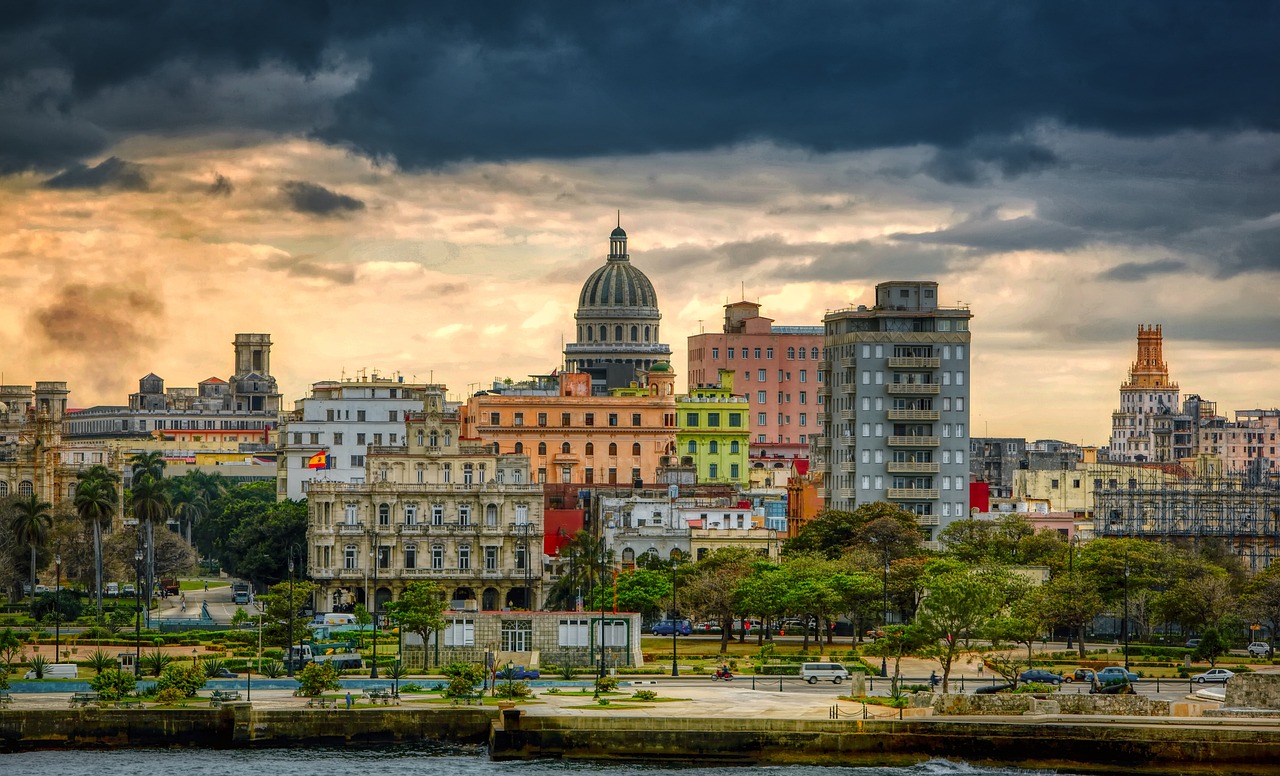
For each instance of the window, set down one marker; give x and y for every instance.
(713, 420)
(377, 439)
(437, 556)
(468, 474)
(804, 418)
(357, 462)
(349, 556)
(692, 447)
(762, 375)
(360, 439)
(464, 514)
(491, 558)
(768, 353)
(518, 419)
(635, 449)
(464, 557)
(459, 632)
(730, 354)
(590, 449)
(337, 438)
(733, 471)
(959, 378)
(564, 418)
(384, 514)
(437, 514)
(791, 352)
(691, 420)
(735, 420)
(589, 419)
(762, 397)
(762, 419)
(613, 448)
(542, 418)
(520, 556)
(410, 556)
(713, 471)
(410, 514)
(564, 448)
(613, 418)
(635, 419)
(519, 448)
(575, 632)
(757, 352)
(360, 415)
(542, 448)
(715, 353)
(517, 635)
(713, 447)
(393, 416)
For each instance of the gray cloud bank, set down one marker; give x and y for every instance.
(426, 84)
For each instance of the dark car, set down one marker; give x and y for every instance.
(222, 672)
(1041, 676)
(1192, 644)
(518, 673)
(667, 627)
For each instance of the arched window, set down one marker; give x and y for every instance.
(564, 448)
(613, 448)
(646, 334)
(813, 353)
(491, 514)
(635, 333)
(713, 447)
(693, 446)
(801, 354)
(733, 447)
(410, 514)
(791, 352)
(437, 556)
(635, 449)
(384, 514)
(419, 437)
(519, 447)
(617, 334)
(629, 556)
(591, 449)
(604, 331)
(448, 438)
(4, 488)
(468, 473)
(590, 334)
(435, 438)
(542, 448)
(25, 488)
(464, 514)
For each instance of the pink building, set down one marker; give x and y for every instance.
(778, 369)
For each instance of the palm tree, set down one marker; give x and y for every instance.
(95, 502)
(150, 492)
(190, 504)
(31, 524)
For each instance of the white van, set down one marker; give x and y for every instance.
(827, 672)
(335, 620)
(56, 671)
(113, 590)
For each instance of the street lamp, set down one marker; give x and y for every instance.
(884, 663)
(288, 653)
(1124, 618)
(137, 612)
(248, 675)
(603, 636)
(1071, 572)
(675, 623)
(57, 603)
(373, 672)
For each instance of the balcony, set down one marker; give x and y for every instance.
(913, 441)
(905, 467)
(848, 362)
(912, 494)
(824, 443)
(914, 389)
(848, 466)
(914, 415)
(927, 520)
(350, 528)
(848, 414)
(932, 546)
(845, 494)
(914, 362)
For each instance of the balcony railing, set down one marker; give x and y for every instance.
(913, 441)
(847, 362)
(425, 487)
(845, 494)
(914, 362)
(914, 389)
(848, 466)
(912, 494)
(927, 520)
(905, 467)
(350, 528)
(848, 414)
(914, 415)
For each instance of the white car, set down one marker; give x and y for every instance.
(1260, 649)
(1213, 675)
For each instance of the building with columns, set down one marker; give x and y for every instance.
(618, 322)
(434, 508)
(1143, 428)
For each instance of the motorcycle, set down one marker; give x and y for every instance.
(722, 673)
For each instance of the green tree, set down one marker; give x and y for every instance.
(113, 684)
(150, 501)
(1072, 601)
(184, 678)
(1261, 600)
(283, 608)
(95, 501)
(31, 524)
(1201, 602)
(1214, 643)
(834, 532)
(419, 609)
(363, 620)
(711, 587)
(317, 678)
(190, 505)
(582, 574)
(763, 593)
(897, 642)
(959, 608)
(639, 590)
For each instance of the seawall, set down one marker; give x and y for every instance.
(1081, 745)
(236, 725)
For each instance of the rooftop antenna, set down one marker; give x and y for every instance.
(619, 218)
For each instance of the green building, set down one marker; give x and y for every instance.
(713, 432)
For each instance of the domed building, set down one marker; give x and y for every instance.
(617, 321)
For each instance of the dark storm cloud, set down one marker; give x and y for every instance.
(112, 173)
(316, 200)
(87, 320)
(787, 261)
(1135, 271)
(307, 266)
(221, 186)
(989, 234)
(1256, 252)
(447, 81)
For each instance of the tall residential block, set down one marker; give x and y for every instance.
(897, 384)
(1143, 428)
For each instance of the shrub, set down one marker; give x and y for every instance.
(100, 661)
(553, 691)
(170, 695)
(315, 678)
(155, 662)
(644, 695)
(513, 689)
(39, 665)
(212, 666)
(397, 670)
(606, 684)
(273, 669)
(411, 687)
(1035, 687)
(566, 672)
(186, 678)
(113, 684)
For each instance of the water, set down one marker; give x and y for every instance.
(405, 761)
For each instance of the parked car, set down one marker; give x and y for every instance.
(1040, 675)
(1260, 649)
(666, 627)
(1116, 674)
(1192, 644)
(1080, 675)
(128, 589)
(827, 672)
(1213, 675)
(707, 626)
(518, 673)
(223, 672)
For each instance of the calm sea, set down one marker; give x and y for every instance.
(400, 761)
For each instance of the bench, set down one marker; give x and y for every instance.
(129, 703)
(320, 702)
(468, 700)
(83, 699)
(219, 697)
(386, 697)
(5, 698)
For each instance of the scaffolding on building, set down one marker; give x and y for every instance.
(1177, 503)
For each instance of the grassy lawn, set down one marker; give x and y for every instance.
(198, 584)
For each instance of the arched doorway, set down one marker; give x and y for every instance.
(489, 599)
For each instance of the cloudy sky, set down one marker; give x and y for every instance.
(423, 187)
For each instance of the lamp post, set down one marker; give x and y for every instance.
(137, 611)
(884, 663)
(248, 675)
(57, 603)
(288, 653)
(603, 637)
(373, 672)
(675, 623)
(1071, 572)
(1124, 617)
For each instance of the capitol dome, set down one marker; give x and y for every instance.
(618, 316)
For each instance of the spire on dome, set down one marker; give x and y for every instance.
(618, 242)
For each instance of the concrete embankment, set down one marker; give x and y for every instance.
(1081, 745)
(236, 725)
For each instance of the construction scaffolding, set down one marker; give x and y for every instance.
(1175, 502)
